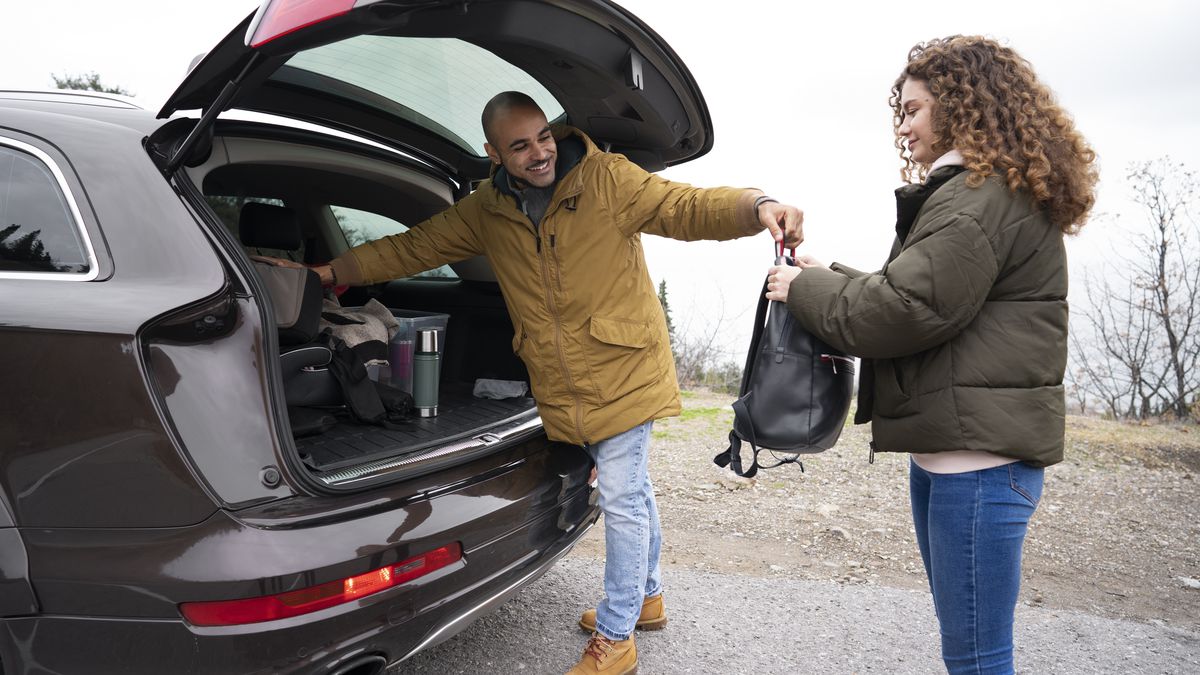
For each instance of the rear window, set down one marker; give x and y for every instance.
(38, 228)
(363, 226)
(440, 84)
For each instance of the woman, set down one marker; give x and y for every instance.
(963, 333)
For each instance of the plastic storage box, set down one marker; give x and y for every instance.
(400, 352)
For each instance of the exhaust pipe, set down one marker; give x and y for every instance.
(373, 664)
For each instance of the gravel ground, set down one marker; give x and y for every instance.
(729, 623)
(819, 571)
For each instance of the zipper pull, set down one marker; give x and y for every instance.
(871, 458)
(552, 240)
(539, 244)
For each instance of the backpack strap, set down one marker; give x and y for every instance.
(760, 319)
(732, 457)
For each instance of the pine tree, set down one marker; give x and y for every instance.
(666, 307)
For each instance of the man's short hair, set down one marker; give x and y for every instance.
(501, 103)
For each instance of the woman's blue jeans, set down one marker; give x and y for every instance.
(971, 528)
(632, 539)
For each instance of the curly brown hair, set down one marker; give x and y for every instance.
(990, 106)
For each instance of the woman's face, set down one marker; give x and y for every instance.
(916, 121)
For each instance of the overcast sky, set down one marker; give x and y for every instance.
(798, 95)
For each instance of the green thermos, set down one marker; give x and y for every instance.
(426, 370)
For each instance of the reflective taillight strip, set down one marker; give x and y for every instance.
(280, 17)
(314, 598)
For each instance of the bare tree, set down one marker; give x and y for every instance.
(1172, 271)
(1136, 344)
(701, 356)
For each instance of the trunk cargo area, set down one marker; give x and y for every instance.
(460, 416)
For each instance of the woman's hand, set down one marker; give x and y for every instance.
(806, 261)
(779, 280)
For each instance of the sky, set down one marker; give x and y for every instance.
(798, 97)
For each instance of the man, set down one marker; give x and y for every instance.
(560, 222)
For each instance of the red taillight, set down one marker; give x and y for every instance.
(313, 598)
(280, 17)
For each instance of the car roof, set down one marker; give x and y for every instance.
(76, 96)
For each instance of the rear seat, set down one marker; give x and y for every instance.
(296, 297)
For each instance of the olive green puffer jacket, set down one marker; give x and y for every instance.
(963, 333)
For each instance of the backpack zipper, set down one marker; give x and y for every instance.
(834, 358)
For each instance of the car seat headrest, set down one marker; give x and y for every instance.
(269, 226)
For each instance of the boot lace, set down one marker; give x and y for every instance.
(598, 647)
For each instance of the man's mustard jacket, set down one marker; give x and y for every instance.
(586, 316)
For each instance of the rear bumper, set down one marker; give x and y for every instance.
(513, 528)
(486, 603)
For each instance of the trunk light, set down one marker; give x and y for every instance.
(313, 598)
(280, 17)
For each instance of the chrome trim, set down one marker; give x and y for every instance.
(327, 356)
(103, 99)
(464, 619)
(93, 267)
(383, 466)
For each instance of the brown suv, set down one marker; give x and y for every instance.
(157, 512)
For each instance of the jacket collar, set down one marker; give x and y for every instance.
(910, 198)
(951, 158)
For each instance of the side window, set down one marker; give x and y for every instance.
(363, 226)
(38, 228)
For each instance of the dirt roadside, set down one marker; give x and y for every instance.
(1117, 533)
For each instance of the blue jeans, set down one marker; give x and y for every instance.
(971, 528)
(632, 539)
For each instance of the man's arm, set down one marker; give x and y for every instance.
(646, 202)
(444, 238)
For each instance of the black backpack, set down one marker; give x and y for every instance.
(795, 391)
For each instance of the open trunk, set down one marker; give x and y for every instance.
(408, 81)
(341, 192)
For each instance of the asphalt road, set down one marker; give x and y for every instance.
(727, 623)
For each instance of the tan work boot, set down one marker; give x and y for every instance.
(608, 657)
(653, 616)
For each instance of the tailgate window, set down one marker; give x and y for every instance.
(440, 84)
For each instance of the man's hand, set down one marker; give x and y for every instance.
(323, 271)
(779, 280)
(278, 262)
(785, 222)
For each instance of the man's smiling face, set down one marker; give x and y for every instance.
(524, 146)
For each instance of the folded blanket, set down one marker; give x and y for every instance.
(367, 330)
